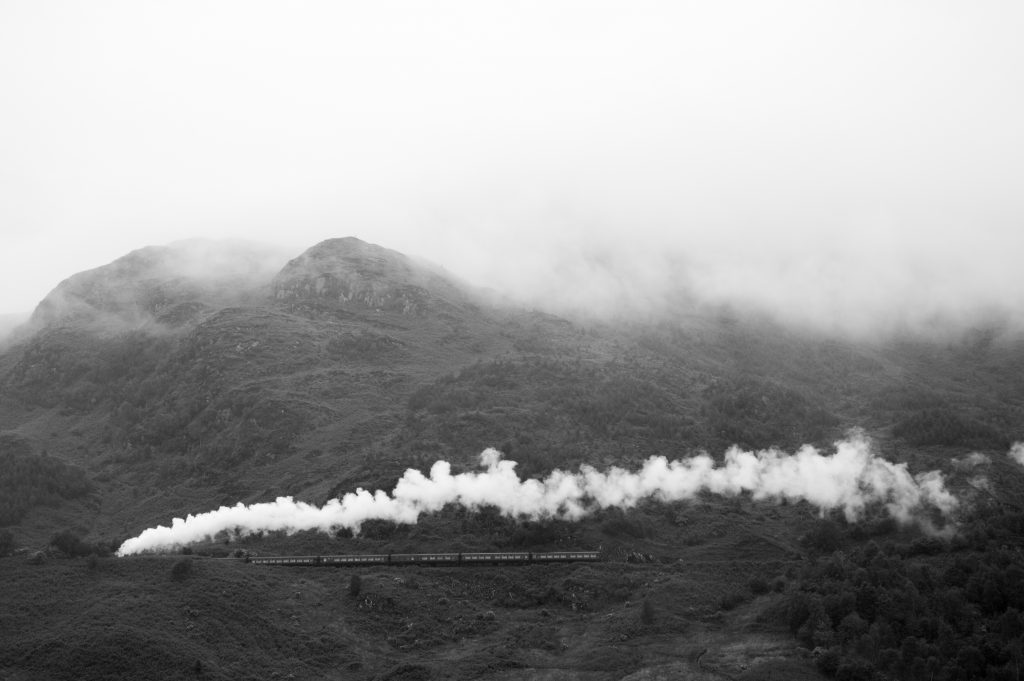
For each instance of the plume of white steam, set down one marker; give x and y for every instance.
(1017, 452)
(971, 461)
(850, 479)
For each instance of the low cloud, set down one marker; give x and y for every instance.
(1017, 452)
(971, 461)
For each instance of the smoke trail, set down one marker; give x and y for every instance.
(971, 461)
(1017, 452)
(851, 479)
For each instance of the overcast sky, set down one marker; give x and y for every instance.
(854, 162)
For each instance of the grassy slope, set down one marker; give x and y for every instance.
(130, 618)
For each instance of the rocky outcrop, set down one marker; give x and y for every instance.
(351, 274)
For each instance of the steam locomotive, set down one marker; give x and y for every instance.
(496, 558)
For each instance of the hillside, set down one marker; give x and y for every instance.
(180, 378)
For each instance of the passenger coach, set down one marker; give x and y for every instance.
(475, 558)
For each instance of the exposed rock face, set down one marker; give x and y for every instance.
(349, 273)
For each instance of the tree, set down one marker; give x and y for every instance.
(181, 569)
(647, 613)
(824, 537)
(70, 544)
(6, 542)
(851, 628)
(828, 661)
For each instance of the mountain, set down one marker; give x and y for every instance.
(341, 273)
(200, 373)
(182, 377)
(159, 285)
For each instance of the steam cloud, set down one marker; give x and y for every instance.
(1017, 452)
(851, 479)
(971, 461)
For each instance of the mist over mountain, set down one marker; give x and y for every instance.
(256, 393)
(157, 284)
(214, 365)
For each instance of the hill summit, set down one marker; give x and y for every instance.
(348, 272)
(163, 284)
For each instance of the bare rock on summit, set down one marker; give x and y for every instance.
(350, 274)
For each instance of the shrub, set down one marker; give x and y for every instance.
(731, 600)
(181, 569)
(824, 537)
(6, 542)
(70, 544)
(943, 426)
(854, 670)
(355, 586)
(27, 481)
(647, 613)
(828, 661)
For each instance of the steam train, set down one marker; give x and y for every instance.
(496, 558)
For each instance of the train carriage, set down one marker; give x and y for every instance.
(465, 558)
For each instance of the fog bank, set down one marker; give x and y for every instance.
(848, 167)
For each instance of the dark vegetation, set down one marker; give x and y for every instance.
(162, 614)
(6, 542)
(918, 609)
(181, 569)
(28, 480)
(755, 414)
(71, 544)
(944, 426)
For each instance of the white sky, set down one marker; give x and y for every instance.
(857, 161)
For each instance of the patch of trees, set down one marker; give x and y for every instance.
(466, 388)
(77, 371)
(920, 609)
(6, 542)
(72, 545)
(623, 404)
(163, 394)
(902, 399)
(579, 400)
(943, 426)
(362, 345)
(757, 414)
(181, 569)
(27, 481)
